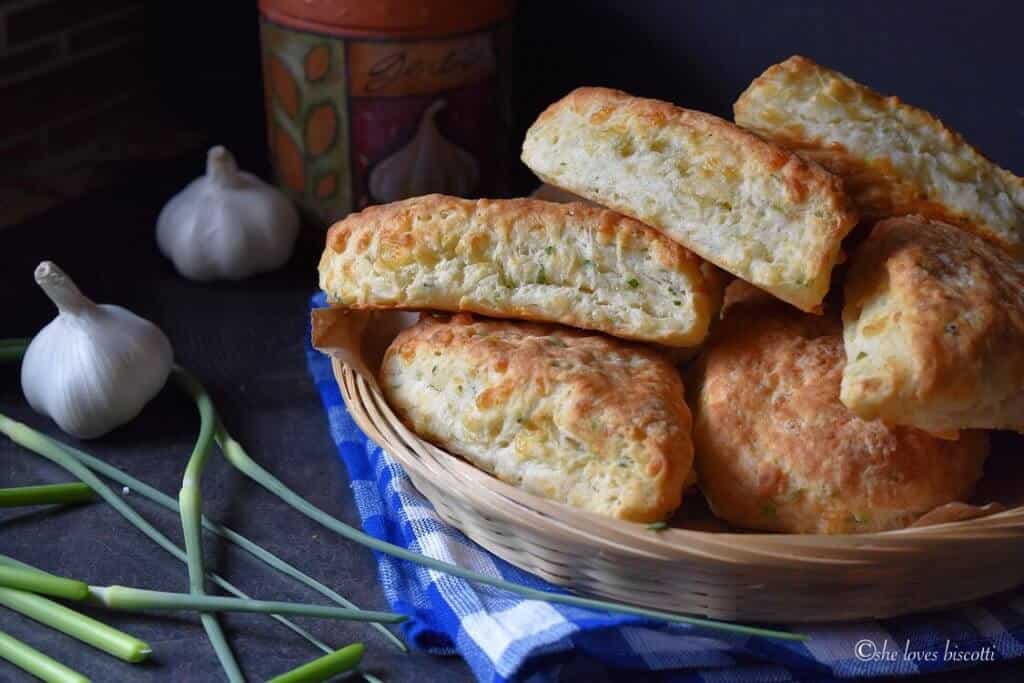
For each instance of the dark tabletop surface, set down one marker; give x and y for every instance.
(245, 341)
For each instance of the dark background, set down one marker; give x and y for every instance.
(960, 60)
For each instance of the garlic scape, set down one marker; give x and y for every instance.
(429, 163)
(227, 224)
(93, 367)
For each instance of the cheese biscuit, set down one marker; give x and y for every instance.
(749, 206)
(934, 329)
(571, 416)
(776, 450)
(521, 258)
(896, 159)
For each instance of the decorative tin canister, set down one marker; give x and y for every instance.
(371, 102)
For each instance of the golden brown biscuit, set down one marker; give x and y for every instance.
(521, 258)
(575, 417)
(747, 205)
(934, 329)
(777, 450)
(896, 159)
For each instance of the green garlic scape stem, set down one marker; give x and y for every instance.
(190, 502)
(328, 666)
(43, 583)
(237, 456)
(46, 494)
(127, 598)
(25, 436)
(34, 662)
(78, 626)
(12, 349)
(163, 500)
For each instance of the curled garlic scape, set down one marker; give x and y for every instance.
(227, 224)
(429, 163)
(95, 366)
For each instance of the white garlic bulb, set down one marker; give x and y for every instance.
(93, 367)
(227, 224)
(429, 163)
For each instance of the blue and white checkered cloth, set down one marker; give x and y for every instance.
(504, 637)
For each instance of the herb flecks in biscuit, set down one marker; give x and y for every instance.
(521, 258)
(747, 205)
(575, 417)
(896, 159)
(934, 329)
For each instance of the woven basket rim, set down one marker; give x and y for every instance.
(455, 475)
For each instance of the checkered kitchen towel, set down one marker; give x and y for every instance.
(505, 637)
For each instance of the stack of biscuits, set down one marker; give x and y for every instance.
(815, 313)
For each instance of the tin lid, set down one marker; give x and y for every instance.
(389, 18)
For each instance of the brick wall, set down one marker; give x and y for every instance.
(65, 63)
(74, 93)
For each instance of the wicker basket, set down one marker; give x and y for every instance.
(717, 573)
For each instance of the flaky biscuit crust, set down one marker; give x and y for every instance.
(776, 449)
(749, 206)
(896, 159)
(575, 417)
(934, 327)
(572, 264)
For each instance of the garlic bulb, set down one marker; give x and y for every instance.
(93, 367)
(227, 224)
(429, 163)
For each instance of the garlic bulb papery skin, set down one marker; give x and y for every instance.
(429, 163)
(93, 367)
(227, 224)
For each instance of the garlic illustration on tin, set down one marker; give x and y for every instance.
(429, 163)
